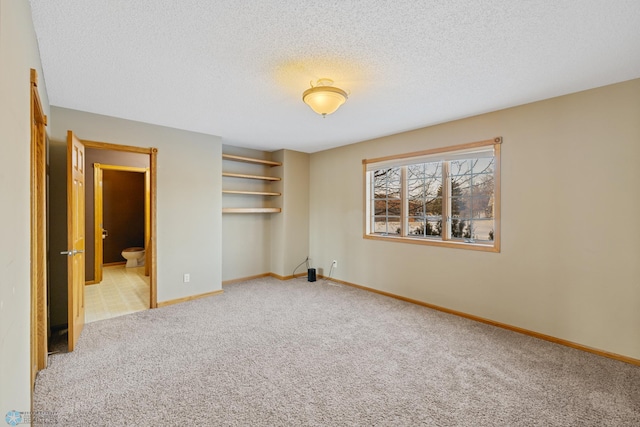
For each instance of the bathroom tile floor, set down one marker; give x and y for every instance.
(122, 291)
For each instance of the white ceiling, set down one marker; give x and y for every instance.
(237, 68)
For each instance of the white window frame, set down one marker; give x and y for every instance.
(444, 154)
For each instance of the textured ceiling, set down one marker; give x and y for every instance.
(237, 69)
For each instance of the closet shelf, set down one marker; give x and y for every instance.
(251, 210)
(241, 175)
(252, 193)
(250, 160)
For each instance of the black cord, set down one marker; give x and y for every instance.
(303, 262)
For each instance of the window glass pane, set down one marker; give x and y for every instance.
(393, 190)
(485, 165)
(434, 227)
(380, 225)
(482, 189)
(482, 230)
(460, 185)
(460, 228)
(386, 225)
(416, 226)
(386, 202)
(434, 207)
(460, 167)
(416, 208)
(393, 207)
(382, 176)
(415, 171)
(425, 227)
(386, 183)
(472, 198)
(394, 225)
(386, 207)
(379, 184)
(424, 190)
(482, 183)
(379, 207)
(460, 207)
(422, 170)
(482, 206)
(471, 172)
(427, 187)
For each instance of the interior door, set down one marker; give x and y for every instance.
(99, 232)
(76, 232)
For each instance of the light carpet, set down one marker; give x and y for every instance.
(294, 353)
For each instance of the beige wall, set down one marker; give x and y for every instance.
(290, 228)
(18, 53)
(569, 265)
(188, 199)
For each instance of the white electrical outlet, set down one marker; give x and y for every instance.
(335, 264)
(186, 278)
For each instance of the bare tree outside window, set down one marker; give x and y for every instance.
(472, 197)
(424, 188)
(387, 202)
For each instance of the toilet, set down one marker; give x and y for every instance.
(134, 257)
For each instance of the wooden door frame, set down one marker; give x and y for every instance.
(151, 262)
(98, 205)
(38, 211)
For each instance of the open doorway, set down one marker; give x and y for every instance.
(62, 300)
(121, 225)
(118, 160)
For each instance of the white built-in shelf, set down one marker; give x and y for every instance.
(259, 162)
(250, 160)
(251, 193)
(251, 210)
(242, 175)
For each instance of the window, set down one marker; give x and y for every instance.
(447, 196)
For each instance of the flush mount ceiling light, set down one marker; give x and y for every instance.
(324, 98)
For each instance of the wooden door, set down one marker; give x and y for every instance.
(76, 240)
